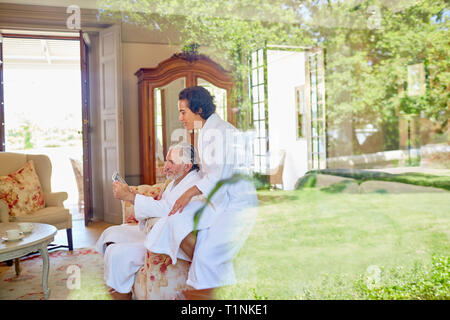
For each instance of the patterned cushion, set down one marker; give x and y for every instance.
(159, 279)
(22, 191)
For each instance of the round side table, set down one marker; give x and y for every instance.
(41, 235)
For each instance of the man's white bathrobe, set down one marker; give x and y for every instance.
(227, 223)
(124, 258)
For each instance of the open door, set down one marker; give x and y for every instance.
(84, 68)
(316, 111)
(111, 117)
(2, 111)
(87, 164)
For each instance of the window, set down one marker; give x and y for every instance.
(300, 111)
(315, 67)
(258, 94)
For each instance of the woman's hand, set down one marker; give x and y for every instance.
(159, 196)
(184, 200)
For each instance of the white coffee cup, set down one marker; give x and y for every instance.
(14, 234)
(26, 226)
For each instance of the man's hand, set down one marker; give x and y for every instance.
(184, 200)
(122, 192)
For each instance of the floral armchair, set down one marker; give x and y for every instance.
(158, 279)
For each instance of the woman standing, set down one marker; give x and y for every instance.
(234, 204)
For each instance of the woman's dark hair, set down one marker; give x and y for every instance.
(194, 161)
(199, 98)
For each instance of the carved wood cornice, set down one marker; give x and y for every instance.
(12, 15)
(179, 65)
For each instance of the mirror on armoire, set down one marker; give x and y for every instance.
(220, 97)
(168, 129)
(158, 89)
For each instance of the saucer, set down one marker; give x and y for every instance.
(12, 240)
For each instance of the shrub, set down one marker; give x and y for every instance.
(419, 283)
(307, 181)
(415, 178)
(261, 181)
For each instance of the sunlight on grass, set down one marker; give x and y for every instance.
(313, 240)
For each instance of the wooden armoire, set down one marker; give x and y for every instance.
(158, 90)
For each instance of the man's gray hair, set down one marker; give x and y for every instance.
(189, 154)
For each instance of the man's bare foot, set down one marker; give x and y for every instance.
(119, 296)
(205, 294)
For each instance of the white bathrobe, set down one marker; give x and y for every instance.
(125, 257)
(224, 226)
(235, 206)
(167, 233)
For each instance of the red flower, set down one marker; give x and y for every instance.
(156, 259)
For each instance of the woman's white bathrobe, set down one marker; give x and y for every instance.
(226, 224)
(220, 151)
(124, 258)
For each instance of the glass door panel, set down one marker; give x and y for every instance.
(317, 110)
(168, 129)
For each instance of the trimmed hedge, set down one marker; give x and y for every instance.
(419, 179)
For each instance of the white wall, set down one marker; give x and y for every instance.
(286, 70)
(136, 56)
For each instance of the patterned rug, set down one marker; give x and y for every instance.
(76, 275)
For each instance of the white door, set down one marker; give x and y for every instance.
(111, 116)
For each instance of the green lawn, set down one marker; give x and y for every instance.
(310, 244)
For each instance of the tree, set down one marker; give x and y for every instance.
(368, 47)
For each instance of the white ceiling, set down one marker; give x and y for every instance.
(18, 51)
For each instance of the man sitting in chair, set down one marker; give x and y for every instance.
(123, 246)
